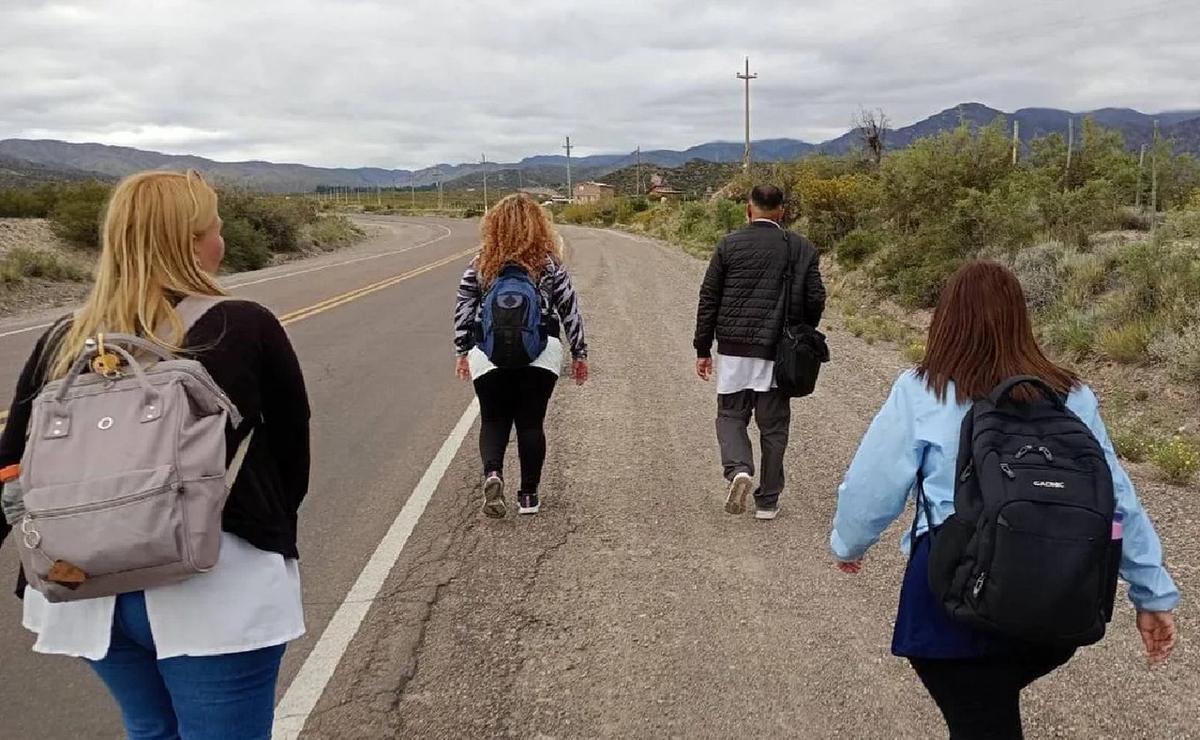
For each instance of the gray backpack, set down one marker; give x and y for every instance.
(124, 476)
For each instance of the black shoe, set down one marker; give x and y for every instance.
(527, 503)
(766, 512)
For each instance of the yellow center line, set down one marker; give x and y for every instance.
(341, 300)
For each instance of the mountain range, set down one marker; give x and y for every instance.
(44, 157)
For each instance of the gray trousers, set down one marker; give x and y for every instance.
(772, 412)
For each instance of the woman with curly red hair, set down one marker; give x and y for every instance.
(513, 302)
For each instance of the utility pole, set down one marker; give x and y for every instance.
(639, 170)
(1070, 150)
(483, 161)
(570, 192)
(412, 186)
(1016, 140)
(747, 77)
(1141, 166)
(1154, 179)
(439, 180)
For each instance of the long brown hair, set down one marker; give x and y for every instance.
(981, 335)
(516, 231)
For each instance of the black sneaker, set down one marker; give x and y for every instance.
(493, 496)
(527, 503)
(766, 513)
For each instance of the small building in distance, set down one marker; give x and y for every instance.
(661, 191)
(594, 192)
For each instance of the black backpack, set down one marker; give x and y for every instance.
(1028, 552)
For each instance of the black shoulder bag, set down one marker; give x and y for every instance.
(802, 349)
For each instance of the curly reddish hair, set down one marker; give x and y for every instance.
(516, 231)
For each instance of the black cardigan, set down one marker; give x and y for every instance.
(248, 354)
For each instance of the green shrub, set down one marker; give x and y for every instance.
(334, 232)
(914, 352)
(1181, 353)
(1040, 271)
(1177, 459)
(1074, 333)
(858, 247)
(24, 262)
(28, 202)
(1085, 276)
(246, 248)
(1128, 344)
(278, 219)
(77, 213)
(1133, 443)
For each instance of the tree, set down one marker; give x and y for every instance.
(872, 131)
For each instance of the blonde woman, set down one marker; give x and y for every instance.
(513, 301)
(197, 659)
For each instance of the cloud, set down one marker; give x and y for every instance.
(413, 83)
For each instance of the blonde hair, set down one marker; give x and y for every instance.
(147, 258)
(516, 231)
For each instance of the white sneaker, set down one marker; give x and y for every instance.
(739, 489)
(766, 513)
(493, 497)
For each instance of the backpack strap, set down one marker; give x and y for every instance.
(190, 310)
(1004, 391)
(922, 505)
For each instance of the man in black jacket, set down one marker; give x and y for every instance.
(741, 307)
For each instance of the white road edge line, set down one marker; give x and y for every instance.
(309, 685)
(286, 275)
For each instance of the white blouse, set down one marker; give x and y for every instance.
(550, 359)
(251, 599)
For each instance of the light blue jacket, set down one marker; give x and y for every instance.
(914, 430)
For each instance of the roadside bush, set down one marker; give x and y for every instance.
(24, 262)
(28, 202)
(858, 247)
(77, 212)
(1181, 353)
(1132, 443)
(1128, 344)
(1040, 271)
(1074, 333)
(1085, 277)
(914, 353)
(1178, 459)
(334, 232)
(246, 248)
(279, 220)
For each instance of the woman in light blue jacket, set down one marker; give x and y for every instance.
(980, 335)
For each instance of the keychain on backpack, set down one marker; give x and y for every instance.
(105, 363)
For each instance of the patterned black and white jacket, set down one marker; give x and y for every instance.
(558, 297)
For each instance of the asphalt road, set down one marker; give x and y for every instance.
(633, 606)
(379, 373)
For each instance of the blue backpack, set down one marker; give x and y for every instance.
(510, 326)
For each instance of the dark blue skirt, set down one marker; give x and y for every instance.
(924, 630)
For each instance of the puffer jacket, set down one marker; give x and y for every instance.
(741, 299)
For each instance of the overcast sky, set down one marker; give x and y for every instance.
(411, 83)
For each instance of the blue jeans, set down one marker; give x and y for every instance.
(193, 698)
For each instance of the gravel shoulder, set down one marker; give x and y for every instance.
(634, 606)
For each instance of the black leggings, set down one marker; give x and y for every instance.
(514, 396)
(981, 697)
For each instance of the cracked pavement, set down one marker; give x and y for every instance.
(633, 606)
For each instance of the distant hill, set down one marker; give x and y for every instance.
(1136, 127)
(550, 170)
(21, 172)
(694, 178)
